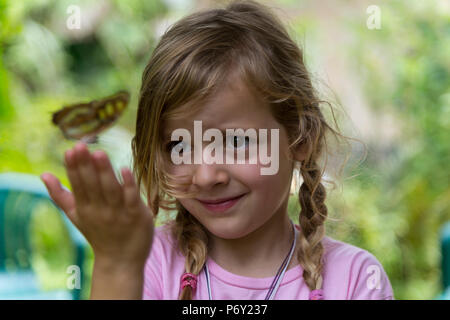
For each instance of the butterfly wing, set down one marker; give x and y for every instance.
(86, 120)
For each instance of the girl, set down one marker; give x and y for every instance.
(232, 237)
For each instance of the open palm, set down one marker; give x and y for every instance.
(112, 216)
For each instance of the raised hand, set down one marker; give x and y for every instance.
(111, 216)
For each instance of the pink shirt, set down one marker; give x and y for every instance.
(349, 273)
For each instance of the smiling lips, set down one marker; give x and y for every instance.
(220, 205)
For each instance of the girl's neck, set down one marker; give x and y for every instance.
(258, 254)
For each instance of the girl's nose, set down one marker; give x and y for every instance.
(207, 176)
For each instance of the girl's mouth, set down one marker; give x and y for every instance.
(221, 206)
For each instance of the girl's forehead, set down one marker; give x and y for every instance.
(233, 105)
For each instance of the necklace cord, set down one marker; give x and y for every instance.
(283, 267)
(278, 278)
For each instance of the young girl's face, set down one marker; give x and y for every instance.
(234, 106)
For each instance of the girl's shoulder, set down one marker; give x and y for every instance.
(357, 269)
(336, 249)
(163, 238)
(163, 232)
(164, 243)
(163, 262)
(338, 252)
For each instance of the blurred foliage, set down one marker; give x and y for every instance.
(52, 252)
(406, 198)
(394, 206)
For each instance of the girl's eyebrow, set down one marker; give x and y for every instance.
(167, 135)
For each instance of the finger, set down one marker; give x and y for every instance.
(75, 181)
(63, 198)
(88, 174)
(131, 194)
(111, 188)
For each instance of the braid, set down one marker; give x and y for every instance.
(312, 217)
(192, 241)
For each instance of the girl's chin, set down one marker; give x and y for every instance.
(227, 231)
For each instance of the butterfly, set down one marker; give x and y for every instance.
(84, 121)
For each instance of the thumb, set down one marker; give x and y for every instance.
(63, 198)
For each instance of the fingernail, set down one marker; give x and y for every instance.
(98, 157)
(80, 145)
(124, 175)
(42, 176)
(68, 155)
(97, 154)
(81, 154)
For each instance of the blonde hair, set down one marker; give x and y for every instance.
(191, 60)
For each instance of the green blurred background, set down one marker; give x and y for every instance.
(392, 82)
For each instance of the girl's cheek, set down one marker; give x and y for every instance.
(250, 174)
(180, 169)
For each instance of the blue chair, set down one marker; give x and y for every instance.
(19, 195)
(445, 249)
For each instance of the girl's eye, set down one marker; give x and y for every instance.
(239, 142)
(178, 146)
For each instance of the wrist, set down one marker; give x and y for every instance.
(117, 280)
(107, 264)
